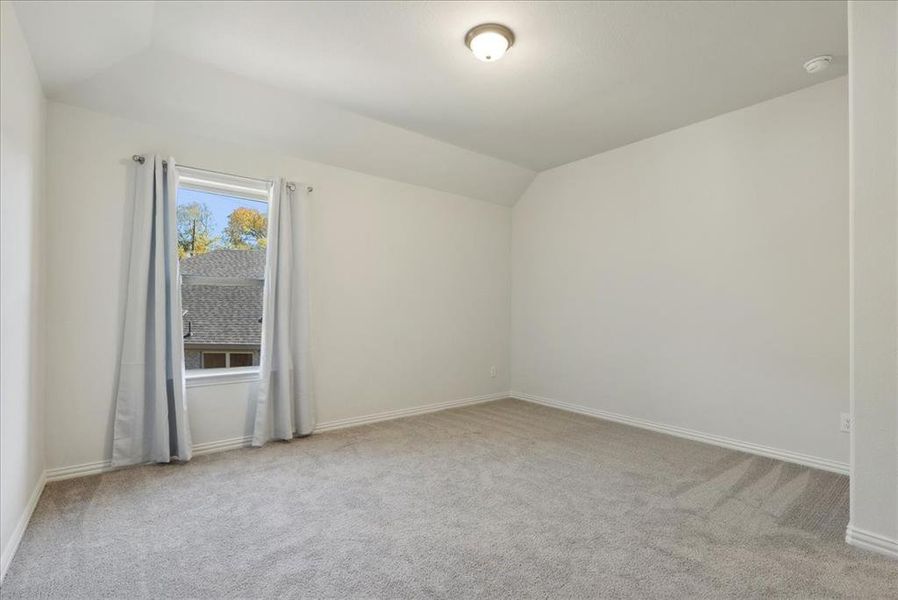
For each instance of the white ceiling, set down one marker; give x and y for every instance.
(583, 77)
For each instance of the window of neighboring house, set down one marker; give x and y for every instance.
(227, 360)
(215, 360)
(222, 239)
(240, 359)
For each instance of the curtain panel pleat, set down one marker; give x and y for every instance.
(150, 402)
(284, 407)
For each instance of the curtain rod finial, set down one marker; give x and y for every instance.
(138, 158)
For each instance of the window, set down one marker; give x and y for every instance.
(215, 360)
(222, 239)
(240, 359)
(229, 360)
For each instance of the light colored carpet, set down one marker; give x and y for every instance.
(499, 500)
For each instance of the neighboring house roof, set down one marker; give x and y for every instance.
(242, 264)
(222, 314)
(221, 295)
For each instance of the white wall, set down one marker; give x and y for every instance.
(697, 279)
(203, 100)
(410, 286)
(873, 40)
(22, 112)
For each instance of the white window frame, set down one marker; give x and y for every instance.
(203, 377)
(249, 188)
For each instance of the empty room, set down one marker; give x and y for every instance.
(406, 300)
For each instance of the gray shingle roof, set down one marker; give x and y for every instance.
(221, 293)
(243, 264)
(222, 314)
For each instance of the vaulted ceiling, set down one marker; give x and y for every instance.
(389, 87)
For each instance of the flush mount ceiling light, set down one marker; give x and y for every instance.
(818, 63)
(489, 41)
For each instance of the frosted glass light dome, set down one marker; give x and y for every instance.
(489, 42)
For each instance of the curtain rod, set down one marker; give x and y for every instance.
(290, 185)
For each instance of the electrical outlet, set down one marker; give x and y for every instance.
(845, 423)
(492, 371)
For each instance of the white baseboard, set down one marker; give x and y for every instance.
(104, 466)
(708, 438)
(871, 541)
(222, 445)
(13, 544)
(406, 412)
(82, 470)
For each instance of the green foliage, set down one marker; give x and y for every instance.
(195, 227)
(247, 229)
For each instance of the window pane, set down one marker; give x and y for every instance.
(214, 360)
(221, 245)
(241, 359)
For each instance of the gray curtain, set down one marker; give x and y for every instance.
(284, 406)
(150, 409)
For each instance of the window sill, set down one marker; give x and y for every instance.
(204, 377)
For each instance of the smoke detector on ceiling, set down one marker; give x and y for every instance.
(818, 63)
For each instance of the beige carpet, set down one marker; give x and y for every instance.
(499, 500)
